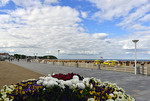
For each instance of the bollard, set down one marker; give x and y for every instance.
(142, 64)
(143, 69)
(77, 65)
(138, 69)
(99, 66)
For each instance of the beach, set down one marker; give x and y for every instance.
(12, 74)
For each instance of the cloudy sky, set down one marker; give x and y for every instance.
(80, 29)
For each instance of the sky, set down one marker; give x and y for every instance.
(80, 29)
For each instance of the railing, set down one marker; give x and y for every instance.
(130, 69)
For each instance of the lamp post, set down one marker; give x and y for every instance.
(58, 56)
(135, 41)
(35, 55)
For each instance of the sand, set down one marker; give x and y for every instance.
(12, 74)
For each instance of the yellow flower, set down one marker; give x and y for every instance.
(81, 91)
(23, 92)
(93, 88)
(109, 97)
(94, 97)
(115, 96)
(20, 87)
(12, 97)
(41, 86)
(91, 92)
(103, 91)
(98, 93)
(30, 90)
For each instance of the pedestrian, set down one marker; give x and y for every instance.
(18, 59)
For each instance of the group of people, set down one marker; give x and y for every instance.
(18, 59)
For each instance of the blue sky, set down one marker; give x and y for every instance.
(80, 29)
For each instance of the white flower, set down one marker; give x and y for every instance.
(48, 78)
(75, 81)
(86, 81)
(2, 91)
(8, 90)
(49, 75)
(90, 99)
(6, 99)
(81, 85)
(118, 99)
(115, 92)
(110, 100)
(12, 86)
(75, 77)
(41, 78)
(91, 86)
(45, 83)
(60, 81)
(112, 95)
(4, 96)
(68, 83)
(51, 83)
(74, 85)
(39, 82)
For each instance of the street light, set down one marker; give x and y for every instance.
(135, 41)
(58, 56)
(35, 55)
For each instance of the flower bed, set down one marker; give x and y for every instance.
(64, 87)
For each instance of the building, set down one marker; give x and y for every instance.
(4, 55)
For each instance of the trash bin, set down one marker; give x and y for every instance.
(138, 69)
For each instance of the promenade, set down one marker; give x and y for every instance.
(135, 85)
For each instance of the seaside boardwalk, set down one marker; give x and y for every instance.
(135, 85)
(12, 74)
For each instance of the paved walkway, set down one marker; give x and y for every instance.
(137, 86)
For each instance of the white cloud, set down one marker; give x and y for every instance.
(111, 9)
(44, 29)
(27, 3)
(145, 18)
(50, 1)
(84, 14)
(100, 36)
(129, 14)
(3, 2)
(134, 17)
